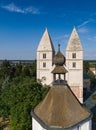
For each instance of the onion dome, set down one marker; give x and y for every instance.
(59, 59)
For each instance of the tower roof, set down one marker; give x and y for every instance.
(46, 42)
(60, 108)
(74, 42)
(59, 70)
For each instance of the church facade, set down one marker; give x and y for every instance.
(74, 62)
(61, 108)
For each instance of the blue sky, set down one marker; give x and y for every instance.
(22, 23)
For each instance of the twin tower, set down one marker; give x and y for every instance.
(74, 62)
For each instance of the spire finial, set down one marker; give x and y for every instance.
(74, 26)
(58, 47)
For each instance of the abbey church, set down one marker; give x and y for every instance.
(62, 108)
(74, 62)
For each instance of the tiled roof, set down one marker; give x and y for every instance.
(59, 70)
(61, 108)
(46, 42)
(74, 42)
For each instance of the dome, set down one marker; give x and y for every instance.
(59, 59)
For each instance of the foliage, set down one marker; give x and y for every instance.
(33, 70)
(86, 70)
(92, 79)
(86, 67)
(94, 117)
(17, 100)
(6, 68)
(26, 71)
(93, 97)
(20, 94)
(18, 69)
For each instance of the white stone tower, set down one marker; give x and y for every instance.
(74, 64)
(45, 54)
(60, 109)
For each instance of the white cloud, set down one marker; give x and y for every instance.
(82, 30)
(66, 35)
(13, 8)
(32, 10)
(83, 24)
(82, 27)
(92, 38)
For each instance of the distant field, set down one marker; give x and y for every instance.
(92, 63)
(18, 61)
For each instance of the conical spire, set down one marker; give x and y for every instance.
(46, 42)
(74, 41)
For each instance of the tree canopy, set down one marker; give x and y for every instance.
(19, 95)
(86, 67)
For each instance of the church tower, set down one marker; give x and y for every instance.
(60, 109)
(74, 63)
(45, 53)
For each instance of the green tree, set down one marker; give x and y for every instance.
(19, 93)
(18, 69)
(17, 100)
(26, 71)
(86, 67)
(33, 69)
(5, 68)
(92, 79)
